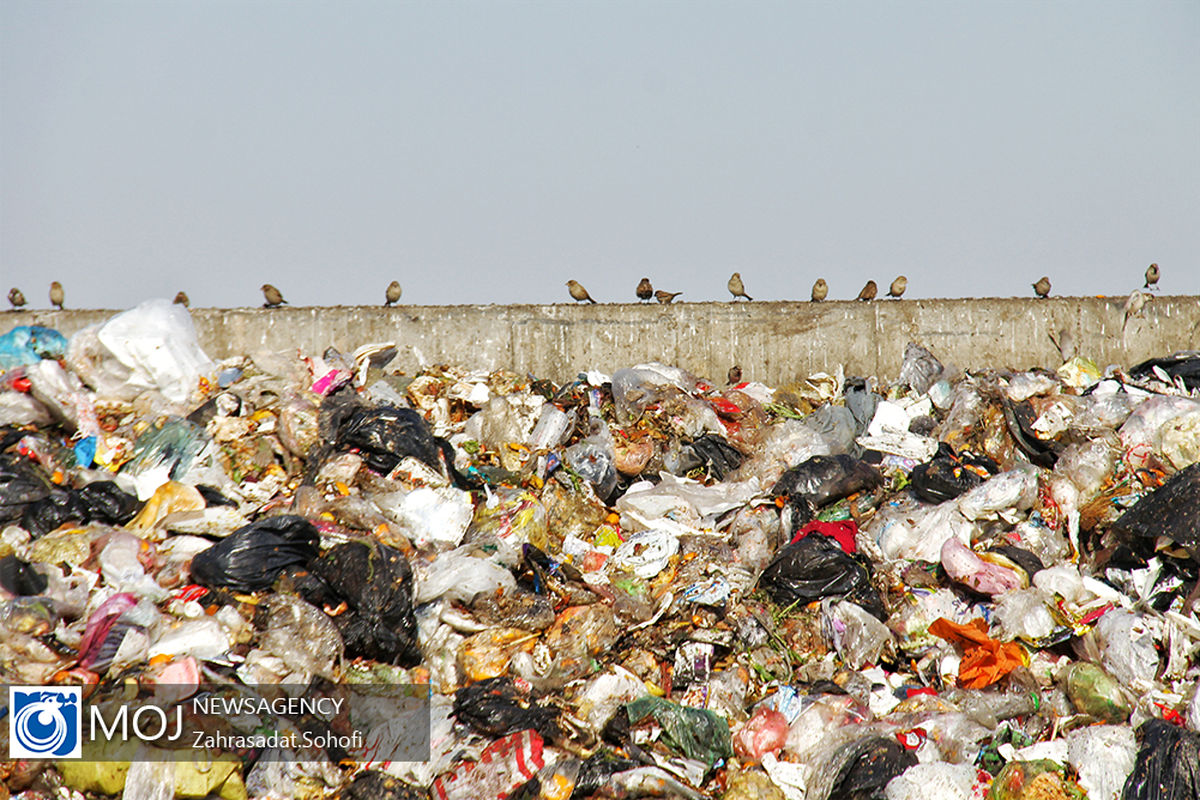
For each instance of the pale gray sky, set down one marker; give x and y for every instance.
(487, 151)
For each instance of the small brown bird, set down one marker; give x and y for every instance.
(820, 290)
(736, 288)
(56, 295)
(666, 297)
(898, 286)
(393, 293)
(1134, 305)
(273, 297)
(644, 290)
(182, 299)
(735, 375)
(868, 292)
(16, 298)
(1042, 287)
(578, 292)
(1151, 277)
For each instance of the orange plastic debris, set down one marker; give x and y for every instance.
(985, 660)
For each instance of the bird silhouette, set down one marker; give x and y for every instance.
(16, 298)
(1042, 287)
(1151, 277)
(666, 297)
(393, 293)
(868, 292)
(578, 292)
(820, 290)
(272, 295)
(735, 375)
(182, 299)
(644, 290)
(56, 295)
(898, 286)
(736, 288)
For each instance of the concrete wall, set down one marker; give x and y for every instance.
(773, 342)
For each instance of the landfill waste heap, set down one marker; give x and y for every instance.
(963, 584)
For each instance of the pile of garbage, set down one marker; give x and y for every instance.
(641, 583)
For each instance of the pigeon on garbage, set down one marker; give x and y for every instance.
(898, 286)
(735, 375)
(644, 290)
(16, 298)
(1042, 287)
(820, 290)
(393, 293)
(1151, 277)
(868, 292)
(578, 292)
(182, 299)
(273, 297)
(666, 297)
(56, 295)
(736, 288)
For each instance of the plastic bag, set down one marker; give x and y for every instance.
(504, 765)
(859, 770)
(304, 637)
(635, 388)
(1183, 366)
(1168, 764)
(826, 479)
(1172, 510)
(817, 567)
(920, 369)
(1033, 780)
(765, 732)
(696, 732)
(984, 660)
(252, 557)
(947, 475)
(1103, 755)
(102, 501)
(859, 638)
(163, 454)
(375, 583)
(17, 577)
(386, 435)
(28, 344)
(497, 706)
(593, 460)
(962, 564)
(1093, 691)
(1179, 440)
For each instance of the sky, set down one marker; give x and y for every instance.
(485, 152)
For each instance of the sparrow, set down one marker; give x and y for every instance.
(182, 299)
(393, 293)
(16, 298)
(820, 290)
(644, 290)
(868, 292)
(1134, 305)
(56, 295)
(898, 287)
(578, 292)
(735, 375)
(1042, 287)
(1151, 277)
(736, 288)
(272, 295)
(666, 297)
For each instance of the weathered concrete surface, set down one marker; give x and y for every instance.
(773, 342)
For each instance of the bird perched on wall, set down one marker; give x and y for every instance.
(272, 295)
(1134, 305)
(1151, 277)
(868, 292)
(56, 295)
(578, 292)
(820, 290)
(16, 298)
(393, 293)
(735, 375)
(666, 297)
(182, 299)
(1042, 287)
(644, 290)
(736, 288)
(898, 286)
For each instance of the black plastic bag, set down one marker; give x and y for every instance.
(386, 435)
(21, 485)
(864, 768)
(1181, 365)
(1019, 417)
(375, 582)
(1167, 766)
(19, 578)
(1172, 510)
(718, 456)
(102, 501)
(816, 567)
(946, 475)
(496, 707)
(252, 557)
(822, 480)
